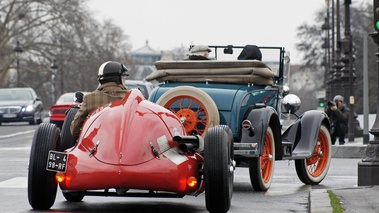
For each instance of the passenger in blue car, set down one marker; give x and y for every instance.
(199, 52)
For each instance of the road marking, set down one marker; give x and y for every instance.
(15, 148)
(328, 176)
(16, 134)
(17, 182)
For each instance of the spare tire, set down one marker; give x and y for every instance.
(194, 107)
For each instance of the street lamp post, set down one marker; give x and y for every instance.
(62, 40)
(332, 69)
(326, 60)
(337, 86)
(54, 68)
(368, 168)
(61, 73)
(347, 71)
(18, 51)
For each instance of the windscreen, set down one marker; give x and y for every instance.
(271, 56)
(66, 98)
(15, 95)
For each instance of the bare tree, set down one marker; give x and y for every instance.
(64, 31)
(310, 44)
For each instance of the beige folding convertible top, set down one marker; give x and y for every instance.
(242, 71)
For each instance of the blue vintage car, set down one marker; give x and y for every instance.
(252, 98)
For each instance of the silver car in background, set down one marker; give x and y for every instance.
(144, 86)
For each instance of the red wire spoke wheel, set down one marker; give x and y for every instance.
(195, 108)
(261, 168)
(314, 169)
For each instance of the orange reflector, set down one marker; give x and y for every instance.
(60, 177)
(191, 181)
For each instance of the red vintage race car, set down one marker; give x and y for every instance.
(131, 147)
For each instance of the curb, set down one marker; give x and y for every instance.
(349, 151)
(319, 201)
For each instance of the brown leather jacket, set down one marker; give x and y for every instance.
(103, 95)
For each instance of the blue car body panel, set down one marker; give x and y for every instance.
(231, 100)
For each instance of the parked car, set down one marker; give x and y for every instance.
(250, 97)
(130, 148)
(58, 110)
(20, 105)
(144, 86)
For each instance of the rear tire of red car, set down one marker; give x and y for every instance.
(195, 121)
(218, 169)
(261, 169)
(67, 138)
(314, 169)
(42, 186)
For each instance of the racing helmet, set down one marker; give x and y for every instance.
(338, 98)
(111, 71)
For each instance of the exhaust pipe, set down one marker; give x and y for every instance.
(189, 142)
(185, 147)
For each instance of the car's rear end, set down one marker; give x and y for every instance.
(232, 100)
(58, 113)
(132, 148)
(230, 87)
(59, 110)
(129, 145)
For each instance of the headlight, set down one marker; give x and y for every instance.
(29, 108)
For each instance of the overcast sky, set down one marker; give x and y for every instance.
(167, 24)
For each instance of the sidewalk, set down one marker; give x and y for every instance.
(354, 200)
(354, 149)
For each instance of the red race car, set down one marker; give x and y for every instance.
(131, 147)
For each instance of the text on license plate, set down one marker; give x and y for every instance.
(9, 115)
(57, 161)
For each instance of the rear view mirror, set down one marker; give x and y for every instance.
(228, 49)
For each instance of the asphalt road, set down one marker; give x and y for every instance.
(286, 194)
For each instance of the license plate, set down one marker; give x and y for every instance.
(57, 161)
(9, 115)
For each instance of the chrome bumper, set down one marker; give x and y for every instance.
(246, 149)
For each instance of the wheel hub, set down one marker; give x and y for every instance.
(232, 167)
(270, 158)
(188, 119)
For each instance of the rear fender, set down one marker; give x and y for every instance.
(260, 119)
(303, 133)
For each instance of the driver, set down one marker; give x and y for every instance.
(199, 52)
(111, 77)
